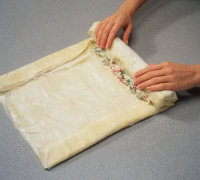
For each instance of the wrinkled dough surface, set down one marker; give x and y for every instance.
(67, 101)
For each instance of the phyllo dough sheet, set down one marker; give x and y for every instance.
(67, 101)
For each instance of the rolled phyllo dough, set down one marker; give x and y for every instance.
(69, 100)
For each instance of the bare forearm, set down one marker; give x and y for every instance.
(132, 6)
(197, 70)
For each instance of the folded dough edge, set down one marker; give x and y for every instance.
(91, 134)
(30, 71)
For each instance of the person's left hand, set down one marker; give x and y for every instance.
(168, 76)
(107, 30)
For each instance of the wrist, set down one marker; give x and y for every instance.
(128, 9)
(131, 6)
(196, 68)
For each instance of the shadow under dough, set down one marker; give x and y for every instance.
(187, 108)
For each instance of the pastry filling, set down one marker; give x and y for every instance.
(120, 73)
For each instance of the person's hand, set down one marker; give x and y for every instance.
(168, 76)
(106, 30)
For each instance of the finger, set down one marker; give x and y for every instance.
(105, 34)
(162, 86)
(149, 75)
(112, 35)
(97, 29)
(147, 69)
(153, 81)
(100, 31)
(127, 33)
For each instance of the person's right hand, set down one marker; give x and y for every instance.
(107, 30)
(168, 76)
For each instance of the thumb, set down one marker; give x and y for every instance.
(127, 33)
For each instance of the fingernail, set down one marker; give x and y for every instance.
(149, 88)
(127, 42)
(139, 86)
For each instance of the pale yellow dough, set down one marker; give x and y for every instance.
(68, 101)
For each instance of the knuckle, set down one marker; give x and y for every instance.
(104, 35)
(103, 24)
(98, 36)
(143, 85)
(150, 74)
(173, 77)
(163, 86)
(113, 31)
(149, 68)
(102, 41)
(169, 70)
(139, 79)
(106, 30)
(154, 80)
(167, 63)
(100, 24)
(105, 20)
(119, 19)
(100, 30)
